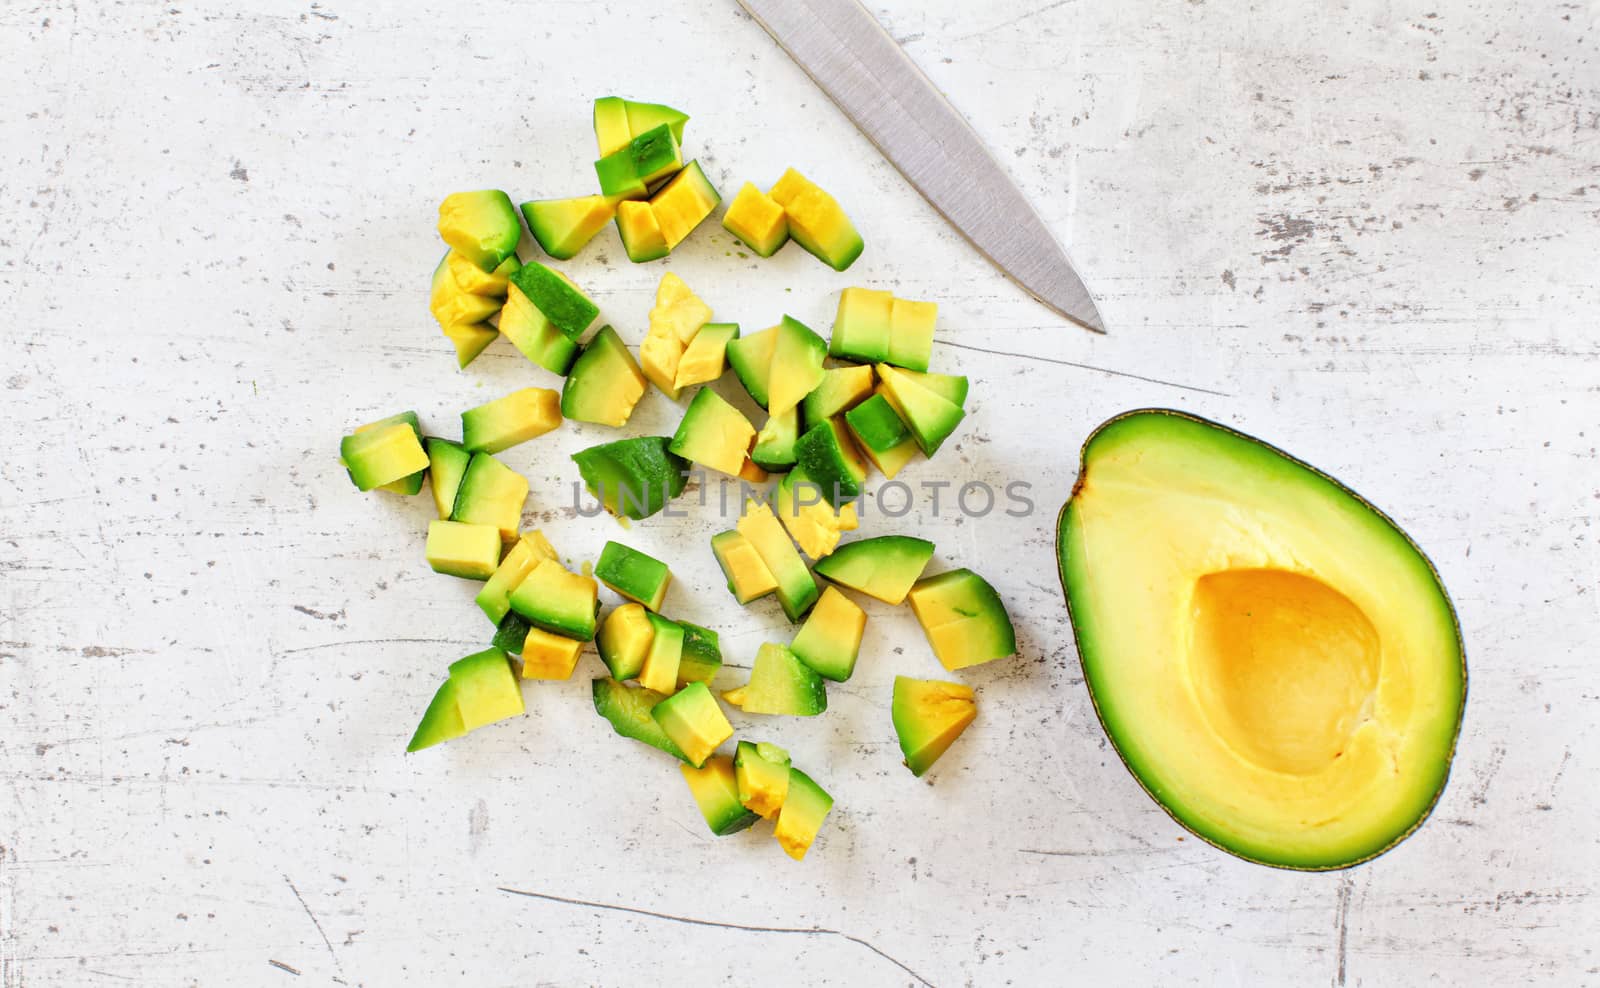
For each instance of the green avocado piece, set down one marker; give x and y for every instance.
(511, 633)
(694, 722)
(842, 389)
(1296, 593)
(796, 365)
(775, 443)
(387, 455)
(884, 567)
(628, 710)
(761, 771)
(565, 226)
(447, 462)
(830, 639)
(491, 493)
(506, 421)
(818, 453)
(458, 549)
(660, 669)
(714, 434)
(645, 117)
(716, 792)
(950, 387)
(964, 619)
(559, 601)
(485, 688)
(861, 326)
(567, 308)
(797, 588)
(911, 326)
(532, 333)
(928, 716)
(781, 684)
(611, 132)
(751, 359)
(649, 157)
(406, 485)
(624, 640)
(702, 655)
(632, 477)
(605, 382)
(877, 426)
(495, 597)
(440, 722)
(805, 807)
(930, 417)
(633, 574)
(816, 221)
(482, 226)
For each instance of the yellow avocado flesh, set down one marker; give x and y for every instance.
(758, 220)
(548, 656)
(748, 577)
(1275, 661)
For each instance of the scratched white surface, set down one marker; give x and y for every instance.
(1367, 231)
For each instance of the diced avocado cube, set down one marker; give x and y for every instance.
(830, 640)
(782, 684)
(451, 305)
(641, 234)
(627, 709)
(884, 567)
(440, 722)
(950, 387)
(628, 172)
(605, 383)
(694, 722)
(481, 225)
(751, 359)
(624, 640)
(531, 332)
(660, 670)
(476, 281)
(707, 354)
(815, 525)
(761, 771)
(930, 418)
(796, 365)
(842, 389)
(485, 689)
(911, 333)
(659, 357)
(634, 478)
(511, 632)
(558, 600)
(828, 456)
(683, 204)
(748, 577)
(645, 117)
(457, 549)
(758, 220)
(611, 131)
(385, 455)
(564, 226)
(678, 308)
(518, 417)
(633, 574)
(964, 619)
(797, 589)
(861, 326)
(495, 597)
(702, 655)
(469, 339)
(412, 483)
(816, 221)
(716, 792)
(491, 493)
(881, 435)
(565, 305)
(549, 657)
(714, 434)
(774, 449)
(928, 717)
(805, 806)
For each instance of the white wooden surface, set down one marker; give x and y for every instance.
(1367, 231)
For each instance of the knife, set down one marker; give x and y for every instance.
(849, 55)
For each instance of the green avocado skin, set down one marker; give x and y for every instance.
(633, 477)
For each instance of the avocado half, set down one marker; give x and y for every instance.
(1273, 659)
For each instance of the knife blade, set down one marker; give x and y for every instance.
(853, 60)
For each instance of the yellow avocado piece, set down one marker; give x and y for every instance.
(748, 576)
(548, 656)
(469, 339)
(625, 640)
(751, 472)
(474, 280)
(678, 310)
(683, 203)
(735, 696)
(459, 549)
(813, 524)
(758, 220)
(659, 357)
(706, 357)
